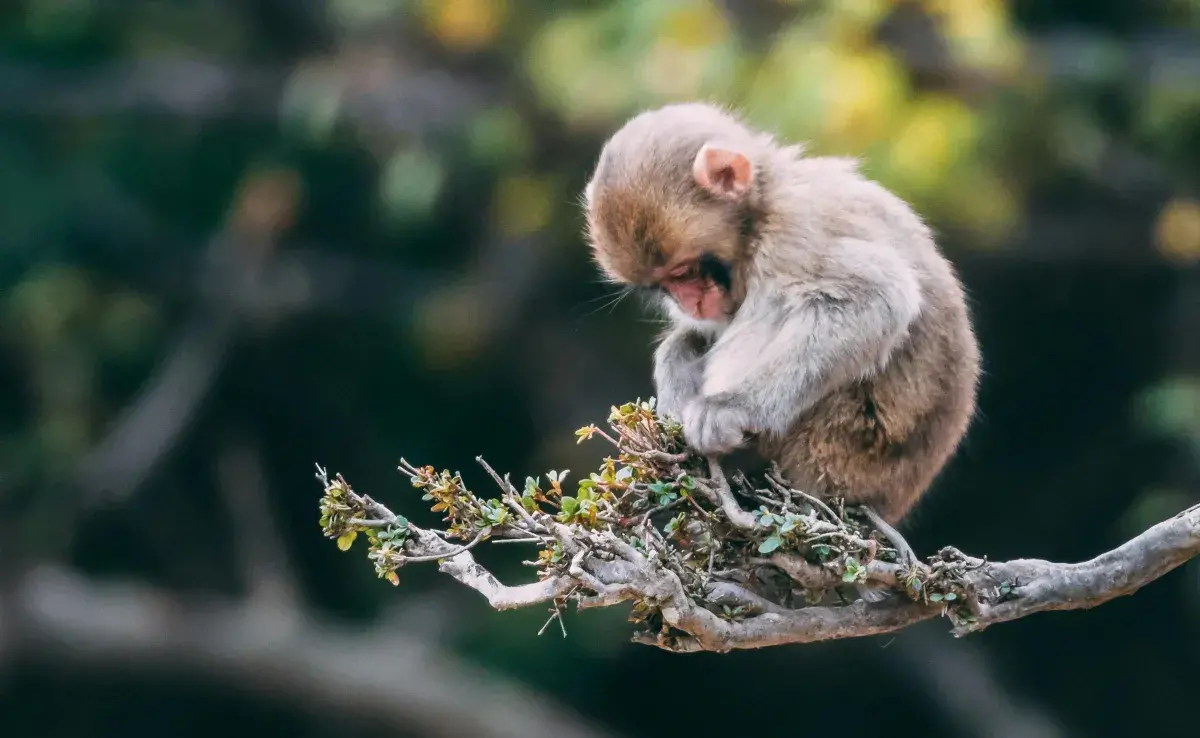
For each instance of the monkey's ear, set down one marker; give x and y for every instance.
(723, 171)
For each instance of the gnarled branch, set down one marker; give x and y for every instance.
(719, 577)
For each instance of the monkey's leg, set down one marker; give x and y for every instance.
(907, 556)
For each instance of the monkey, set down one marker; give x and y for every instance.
(812, 317)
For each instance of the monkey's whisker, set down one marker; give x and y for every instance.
(609, 302)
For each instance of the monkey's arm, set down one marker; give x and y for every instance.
(678, 370)
(790, 345)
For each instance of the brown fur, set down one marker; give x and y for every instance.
(883, 441)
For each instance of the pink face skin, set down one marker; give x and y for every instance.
(697, 296)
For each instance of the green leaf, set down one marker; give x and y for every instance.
(570, 505)
(849, 576)
(950, 597)
(770, 544)
(346, 541)
(935, 597)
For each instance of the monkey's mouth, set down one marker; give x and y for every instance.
(702, 299)
(700, 287)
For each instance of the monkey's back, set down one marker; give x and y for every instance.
(883, 440)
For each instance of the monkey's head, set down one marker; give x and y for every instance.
(668, 205)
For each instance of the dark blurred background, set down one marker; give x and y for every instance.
(239, 237)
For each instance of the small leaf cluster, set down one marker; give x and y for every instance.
(337, 510)
(465, 513)
(345, 514)
(789, 526)
(946, 584)
(642, 429)
(387, 549)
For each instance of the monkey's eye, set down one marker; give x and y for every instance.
(717, 270)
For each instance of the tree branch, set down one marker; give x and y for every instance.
(700, 581)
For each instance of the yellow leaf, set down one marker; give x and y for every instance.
(1177, 230)
(864, 92)
(979, 32)
(977, 199)
(346, 541)
(853, 21)
(465, 25)
(698, 25)
(940, 131)
(785, 93)
(522, 204)
(451, 325)
(572, 72)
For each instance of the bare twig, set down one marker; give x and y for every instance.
(723, 496)
(907, 556)
(663, 457)
(775, 480)
(447, 554)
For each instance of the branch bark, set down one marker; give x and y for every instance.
(998, 591)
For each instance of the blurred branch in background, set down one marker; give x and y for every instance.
(59, 620)
(149, 427)
(265, 564)
(377, 90)
(960, 679)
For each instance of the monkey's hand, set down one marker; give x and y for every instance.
(714, 427)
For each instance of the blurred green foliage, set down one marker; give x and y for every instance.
(434, 150)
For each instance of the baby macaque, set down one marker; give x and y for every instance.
(814, 320)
